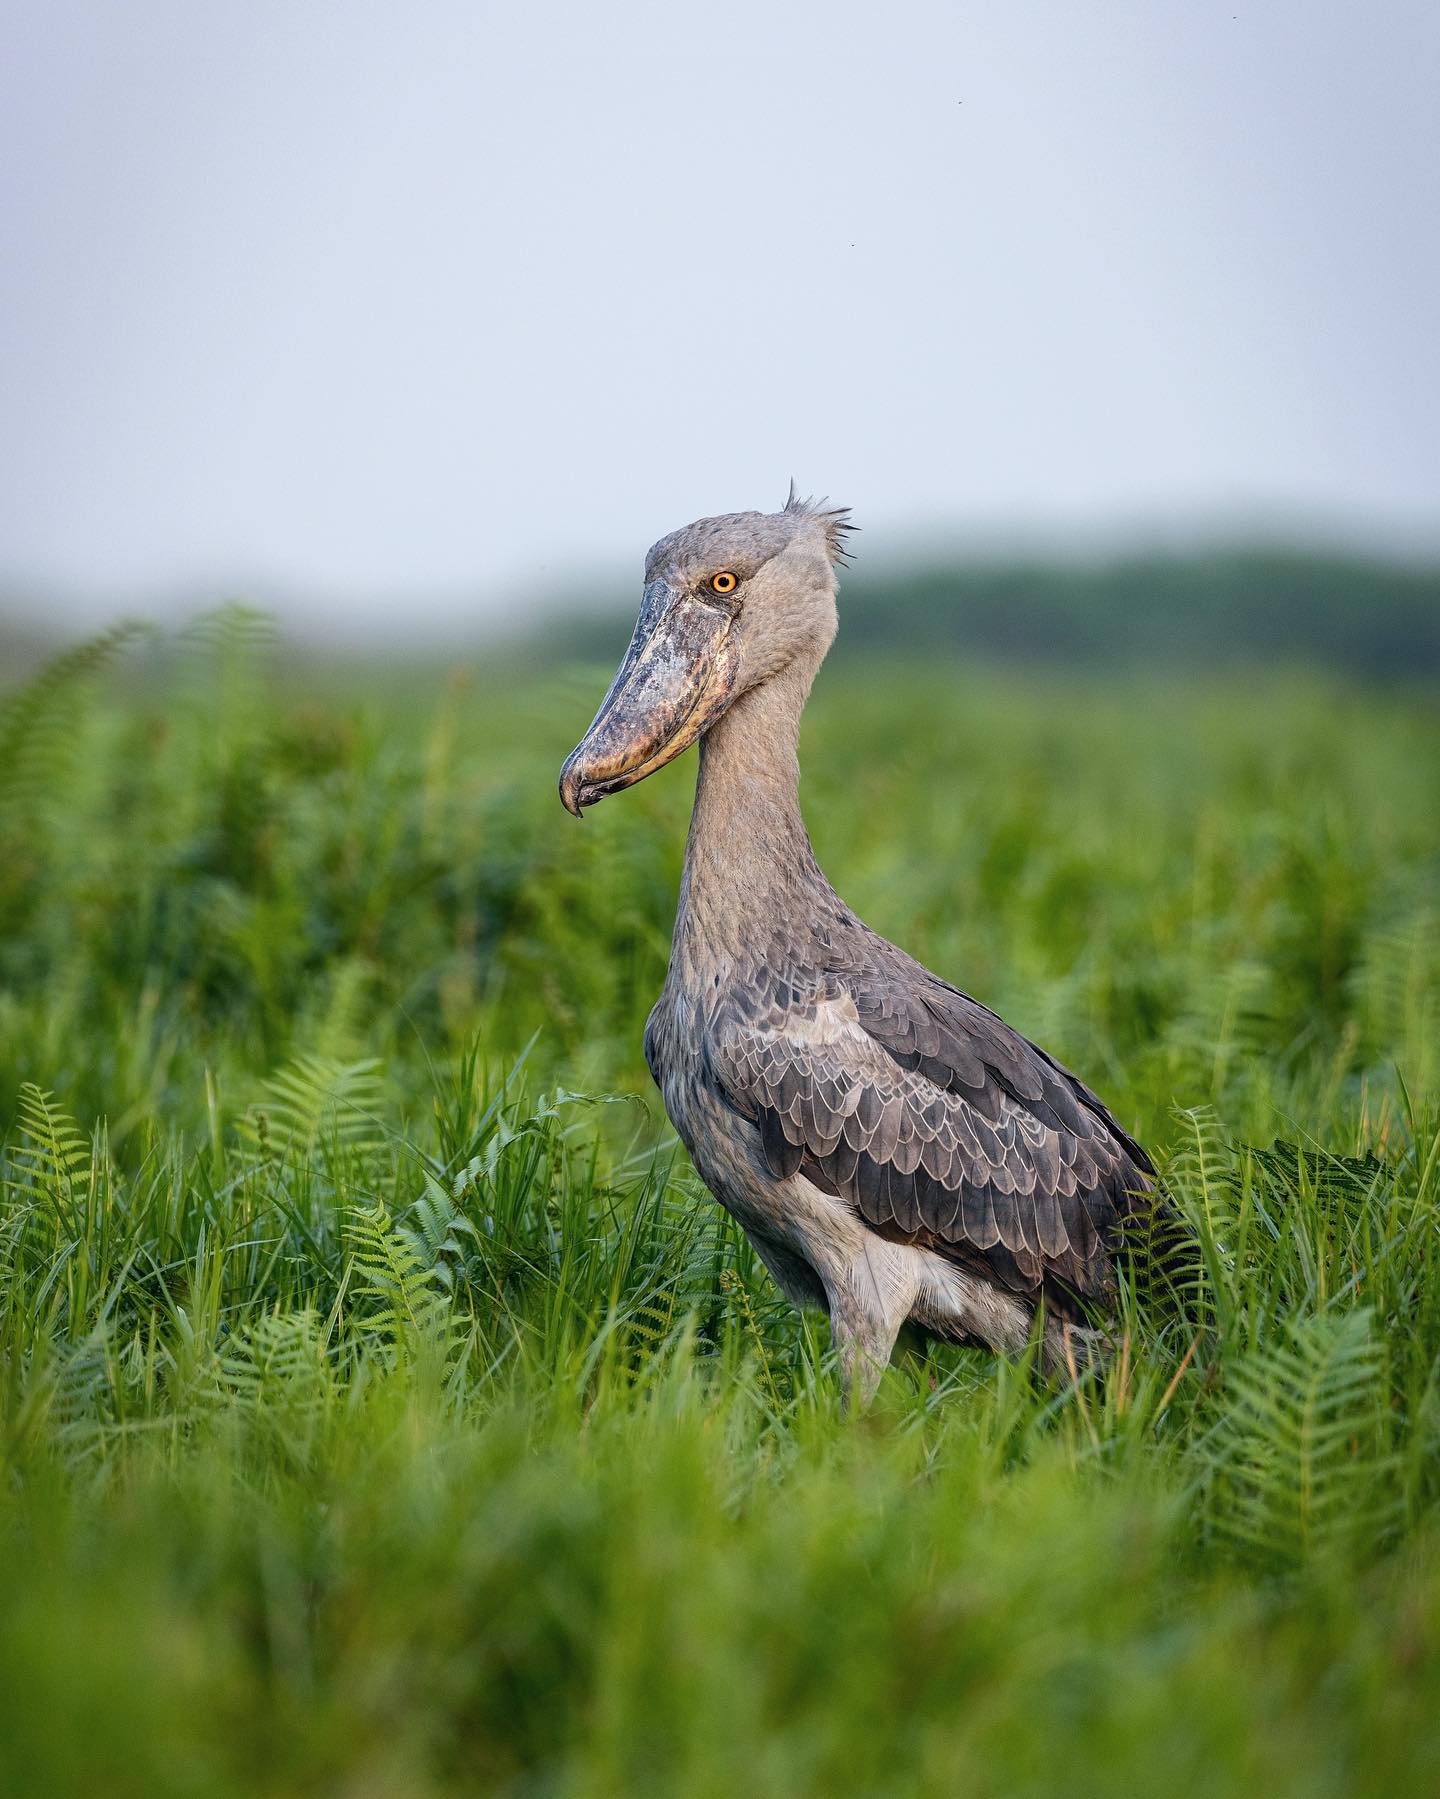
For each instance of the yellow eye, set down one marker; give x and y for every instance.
(724, 582)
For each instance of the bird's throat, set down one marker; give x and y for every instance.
(748, 859)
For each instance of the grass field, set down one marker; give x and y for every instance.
(385, 1410)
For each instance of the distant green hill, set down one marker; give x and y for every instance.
(1371, 617)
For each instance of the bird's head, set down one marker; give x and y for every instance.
(728, 603)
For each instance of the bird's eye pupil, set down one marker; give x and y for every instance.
(724, 582)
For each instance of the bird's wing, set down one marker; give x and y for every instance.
(940, 1124)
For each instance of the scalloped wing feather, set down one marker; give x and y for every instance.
(941, 1125)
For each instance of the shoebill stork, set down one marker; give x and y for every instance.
(894, 1151)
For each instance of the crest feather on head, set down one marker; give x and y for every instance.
(833, 520)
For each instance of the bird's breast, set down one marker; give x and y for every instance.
(675, 1048)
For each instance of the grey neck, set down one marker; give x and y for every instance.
(748, 862)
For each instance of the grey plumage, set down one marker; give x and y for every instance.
(894, 1150)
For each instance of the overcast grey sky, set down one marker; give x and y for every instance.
(406, 306)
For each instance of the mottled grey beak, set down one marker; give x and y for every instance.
(676, 679)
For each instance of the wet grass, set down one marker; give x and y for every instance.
(383, 1408)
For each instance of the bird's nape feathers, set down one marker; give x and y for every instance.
(833, 520)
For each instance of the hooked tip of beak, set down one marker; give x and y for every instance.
(570, 785)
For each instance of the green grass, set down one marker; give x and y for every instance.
(385, 1409)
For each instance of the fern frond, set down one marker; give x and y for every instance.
(405, 1305)
(316, 1104)
(1304, 1458)
(234, 629)
(57, 1154)
(1197, 1180)
(279, 1362)
(37, 721)
(1199, 1165)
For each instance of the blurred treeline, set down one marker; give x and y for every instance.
(1358, 615)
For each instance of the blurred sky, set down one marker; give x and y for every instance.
(407, 310)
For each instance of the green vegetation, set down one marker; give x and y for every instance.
(383, 1408)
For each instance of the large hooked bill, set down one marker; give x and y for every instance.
(675, 681)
